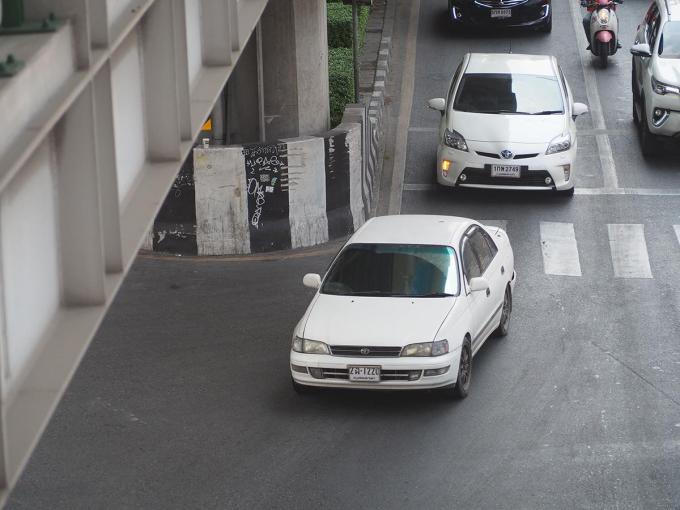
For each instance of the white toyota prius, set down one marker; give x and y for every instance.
(405, 304)
(508, 123)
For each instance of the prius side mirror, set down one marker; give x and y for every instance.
(578, 109)
(478, 284)
(438, 103)
(311, 280)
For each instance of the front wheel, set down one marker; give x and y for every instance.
(565, 192)
(462, 387)
(648, 141)
(302, 389)
(547, 27)
(604, 54)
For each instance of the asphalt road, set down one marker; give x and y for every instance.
(184, 400)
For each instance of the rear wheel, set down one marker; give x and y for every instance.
(504, 326)
(603, 50)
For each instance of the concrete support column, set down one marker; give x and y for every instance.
(295, 68)
(243, 98)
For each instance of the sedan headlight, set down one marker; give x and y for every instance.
(426, 349)
(663, 89)
(307, 346)
(559, 144)
(455, 140)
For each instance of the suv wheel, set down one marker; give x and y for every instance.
(648, 141)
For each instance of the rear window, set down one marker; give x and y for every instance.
(509, 94)
(669, 44)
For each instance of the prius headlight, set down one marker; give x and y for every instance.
(309, 346)
(426, 349)
(559, 144)
(455, 140)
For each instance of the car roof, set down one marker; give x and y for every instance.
(510, 63)
(411, 229)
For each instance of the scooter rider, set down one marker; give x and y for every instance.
(586, 21)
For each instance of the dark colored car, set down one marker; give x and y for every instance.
(535, 14)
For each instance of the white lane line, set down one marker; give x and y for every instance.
(560, 251)
(648, 192)
(629, 251)
(677, 231)
(595, 106)
(407, 88)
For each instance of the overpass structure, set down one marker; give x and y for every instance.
(93, 130)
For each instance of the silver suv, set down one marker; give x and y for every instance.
(656, 75)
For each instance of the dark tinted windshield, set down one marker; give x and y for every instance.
(669, 44)
(404, 270)
(509, 93)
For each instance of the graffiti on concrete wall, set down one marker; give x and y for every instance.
(266, 168)
(340, 221)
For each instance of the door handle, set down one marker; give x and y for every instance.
(488, 292)
(502, 269)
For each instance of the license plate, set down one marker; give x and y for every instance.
(364, 374)
(501, 13)
(505, 171)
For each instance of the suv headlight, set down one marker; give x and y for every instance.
(309, 346)
(455, 140)
(426, 349)
(663, 89)
(559, 144)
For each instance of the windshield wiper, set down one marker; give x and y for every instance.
(436, 294)
(368, 293)
(548, 112)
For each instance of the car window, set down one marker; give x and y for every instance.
(669, 43)
(397, 270)
(509, 93)
(651, 16)
(567, 92)
(453, 83)
(471, 264)
(654, 31)
(481, 248)
(490, 242)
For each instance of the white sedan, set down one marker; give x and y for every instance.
(406, 304)
(508, 123)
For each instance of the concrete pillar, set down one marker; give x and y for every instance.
(242, 98)
(295, 68)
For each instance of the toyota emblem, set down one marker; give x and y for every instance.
(506, 154)
(365, 351)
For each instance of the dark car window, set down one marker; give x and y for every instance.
(669, 44)
(651, 16)
(509, 93)
(399, 270)
(490, 242)
(470, 261)
(453, 84)
(654, 31)
(481, 248)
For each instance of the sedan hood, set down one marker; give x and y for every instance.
(484, 127)
(375, 321)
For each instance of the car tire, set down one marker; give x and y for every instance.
(462, 387)
(648, 142)
(636, 94)
(504, 326)
(547, 26)
(302, 389)
(565, 192)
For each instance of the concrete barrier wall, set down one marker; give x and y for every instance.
(264, 197)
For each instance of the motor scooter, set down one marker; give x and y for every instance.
(604, 28)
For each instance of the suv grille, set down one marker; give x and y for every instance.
(373, 352)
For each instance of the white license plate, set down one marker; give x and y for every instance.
(501, 13)
(505, 171)
(364, 374)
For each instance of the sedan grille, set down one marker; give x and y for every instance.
(385, 375)
(365, 351)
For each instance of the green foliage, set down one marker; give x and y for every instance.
(340, 25)
(341, 81)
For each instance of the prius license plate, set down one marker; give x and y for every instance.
(364, 374)
(505, 171)
(501, 13)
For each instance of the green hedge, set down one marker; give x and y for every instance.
(340, 25)
(341, 81)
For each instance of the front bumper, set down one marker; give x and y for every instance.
(670, 127)
(529, 15)
(335, 366)
(534, 172)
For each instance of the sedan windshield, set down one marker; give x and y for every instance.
(669, 43)
(509, 94)
(398, 270)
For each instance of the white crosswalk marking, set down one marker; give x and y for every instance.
(677, 231)
(629, 251)
(560, 252)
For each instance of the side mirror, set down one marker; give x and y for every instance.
(438, 103)
(478, 284)
(578, 109)
(641, 50)
(311, 280)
